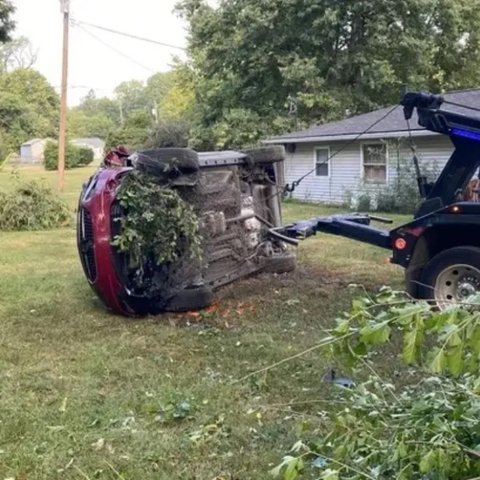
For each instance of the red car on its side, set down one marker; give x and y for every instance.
(236, 196)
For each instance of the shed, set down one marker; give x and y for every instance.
(32, 151)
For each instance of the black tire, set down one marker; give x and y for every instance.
(266, 154)
(412, 282)
(284, 263)
(167, 162)
(431, 282)
(190, 299)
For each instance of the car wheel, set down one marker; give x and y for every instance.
(190, 299)
(266, 154)
(284, 263)
(166, 162)
(451, 276)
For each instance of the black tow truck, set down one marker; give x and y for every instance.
(440, 247)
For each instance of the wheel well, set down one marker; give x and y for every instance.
(439, 238)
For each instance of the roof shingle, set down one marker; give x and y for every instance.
(393, 125)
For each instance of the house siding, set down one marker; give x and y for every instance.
(345, 173)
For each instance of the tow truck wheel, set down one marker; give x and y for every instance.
(451, 276)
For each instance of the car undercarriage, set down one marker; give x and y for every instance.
(236, 198)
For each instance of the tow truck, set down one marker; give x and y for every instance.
(440, 247)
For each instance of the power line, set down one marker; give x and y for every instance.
(290, 188)
(125, 34)
(118, 52)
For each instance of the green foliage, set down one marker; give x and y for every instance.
(169, 133)
(75, 156)
(402, 195)
(84, 156)
(364, 203)
(133, 138)
(158, 224)
(7, 23)
(430, 429)
(29, 107)
(156, 114)
(454, 334)
(308, 62)
(84, 125)
(16, 53)
(32, 206)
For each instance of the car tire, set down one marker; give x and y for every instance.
(284, 263)
(451, 276)
(166, 162)
(266, 154)
(191, 299)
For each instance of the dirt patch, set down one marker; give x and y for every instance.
(304, 277)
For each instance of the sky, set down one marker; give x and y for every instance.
(93, 62)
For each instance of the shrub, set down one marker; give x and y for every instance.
(399, 196)
(364, 202)
(74, 156)
(84, 156)
(169, 133)
(32, 206)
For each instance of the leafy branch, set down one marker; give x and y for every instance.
(158, 225)
(430, 430)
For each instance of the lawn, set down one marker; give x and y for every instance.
(85, 394)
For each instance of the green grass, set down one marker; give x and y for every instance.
(82, 391)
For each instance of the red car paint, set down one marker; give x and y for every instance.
(95, 247)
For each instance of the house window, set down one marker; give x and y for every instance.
(322, 162)
(375, 162)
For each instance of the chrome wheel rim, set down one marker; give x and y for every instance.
(455, 284)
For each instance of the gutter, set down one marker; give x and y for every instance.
(350, 136)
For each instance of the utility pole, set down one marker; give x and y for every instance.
(65, 10)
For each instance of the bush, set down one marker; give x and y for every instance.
(399, 196)
(74, 156)
(169, 133)
(364, 202)
(84, 156)
(32, 206)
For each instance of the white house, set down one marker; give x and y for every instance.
(342, 160)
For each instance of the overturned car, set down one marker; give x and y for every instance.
(235, 199)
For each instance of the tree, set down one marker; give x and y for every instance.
(81, 124)
(307, 61)
(17, 53)
(28, 107)
(131, 96)
(6, 22)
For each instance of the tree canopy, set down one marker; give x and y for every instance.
(284, 64)
(28, 108)
(6, 21)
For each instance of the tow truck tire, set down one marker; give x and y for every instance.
(159, 162)
(451, 276)
(266, 154)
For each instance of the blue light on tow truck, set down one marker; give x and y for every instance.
(459, 132)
